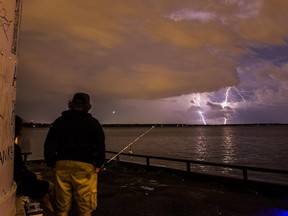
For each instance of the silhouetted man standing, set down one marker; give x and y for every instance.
(75, 146)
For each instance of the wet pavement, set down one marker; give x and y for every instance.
(133, 190)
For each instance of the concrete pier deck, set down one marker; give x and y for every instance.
(132, 190)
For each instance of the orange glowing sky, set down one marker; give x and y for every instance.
(150, 61)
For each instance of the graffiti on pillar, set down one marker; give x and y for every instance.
(5, 23)
(16, 26)
(6, 155)
(8, 68)
(14, 77)
(3, 75)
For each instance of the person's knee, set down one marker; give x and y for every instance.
(62, 214)
(85, 214)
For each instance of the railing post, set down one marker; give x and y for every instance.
(188, 168)
(148, 161)
(118, 158)
(245, 175)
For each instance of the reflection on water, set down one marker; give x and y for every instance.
(200, 148)
(210, 143)
(228, 146)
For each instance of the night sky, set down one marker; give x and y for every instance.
(148, 61)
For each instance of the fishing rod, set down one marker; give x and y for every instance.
(129, 145)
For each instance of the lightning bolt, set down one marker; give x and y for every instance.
(239, 93)
(231, 98)
(198, 102)
(225, 102)
(202, 117)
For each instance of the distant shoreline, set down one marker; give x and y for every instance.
(46, 125)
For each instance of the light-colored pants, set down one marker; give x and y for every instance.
(75, 180)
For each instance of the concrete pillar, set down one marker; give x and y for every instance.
(10, 14)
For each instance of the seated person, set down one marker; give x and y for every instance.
(28, 183)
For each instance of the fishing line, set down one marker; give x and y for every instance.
(129, 145)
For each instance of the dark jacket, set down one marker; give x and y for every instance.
(21, 173)
(27, 182)
(77, 136)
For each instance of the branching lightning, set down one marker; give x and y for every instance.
(239, 93)
(202, 117)
(226, 102)
(198, 102)
(225, 107)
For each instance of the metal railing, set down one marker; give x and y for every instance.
(188, 163)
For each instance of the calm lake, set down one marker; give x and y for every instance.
(252, 145)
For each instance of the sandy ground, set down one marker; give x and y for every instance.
(136, 191)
